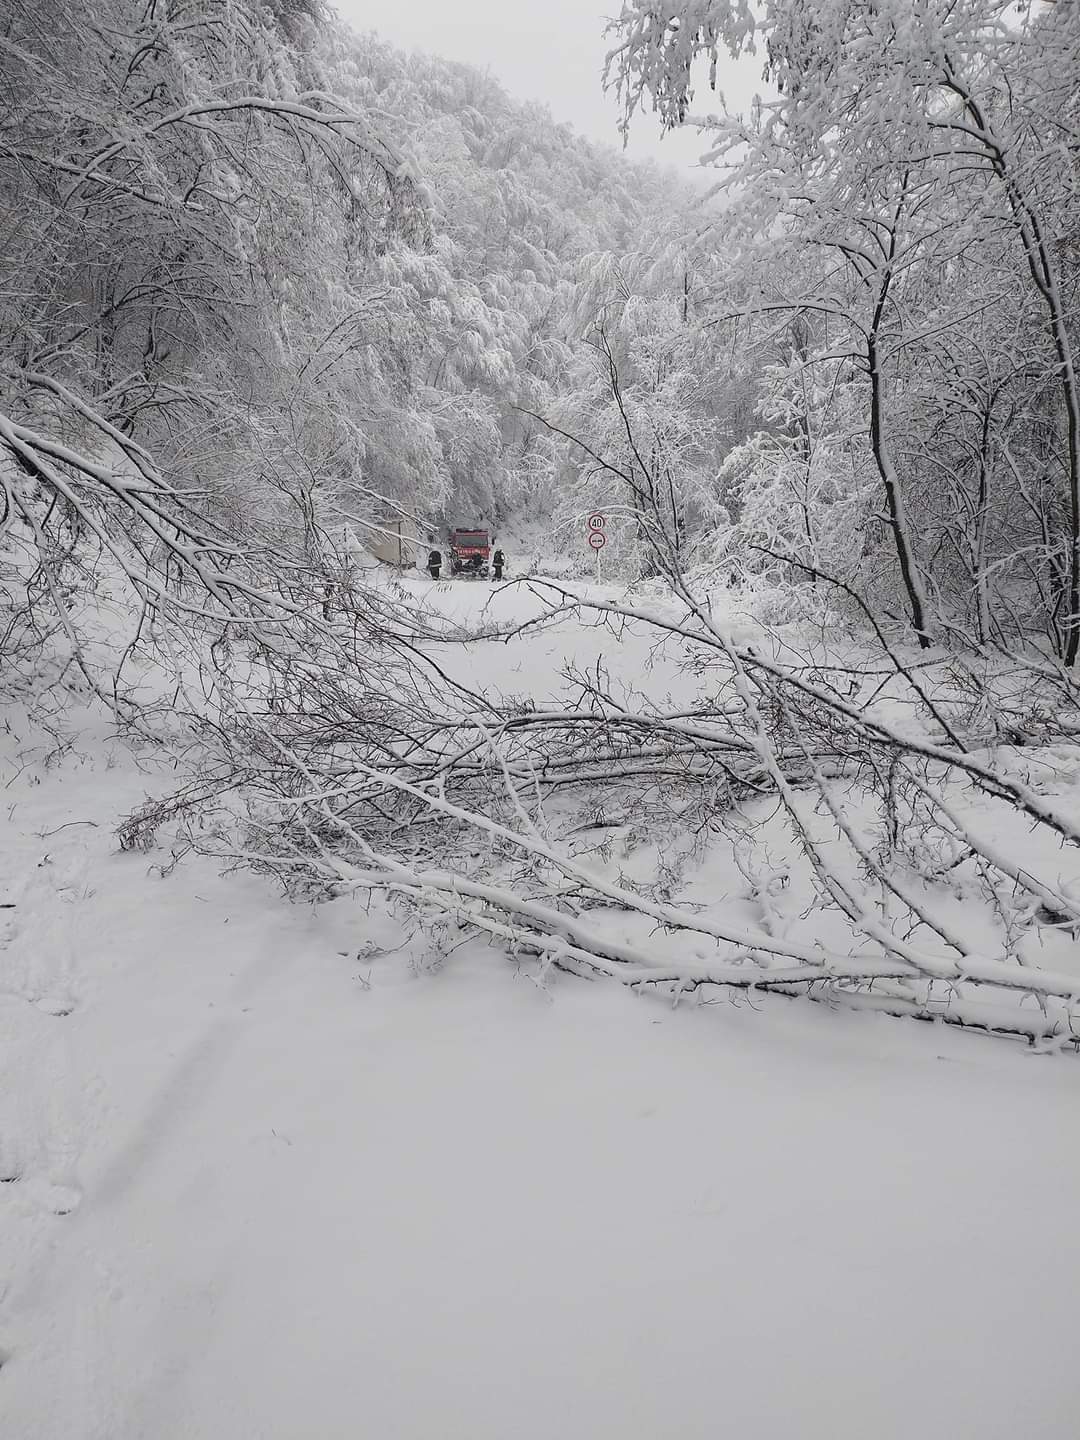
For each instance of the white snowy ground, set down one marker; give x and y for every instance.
(270, 1177)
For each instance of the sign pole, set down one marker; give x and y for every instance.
(595, 525)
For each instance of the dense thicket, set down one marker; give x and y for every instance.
(911, 283)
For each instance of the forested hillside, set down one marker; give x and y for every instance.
(298, 268)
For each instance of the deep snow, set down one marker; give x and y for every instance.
(275, 1171)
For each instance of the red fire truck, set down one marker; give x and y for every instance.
(470, 552)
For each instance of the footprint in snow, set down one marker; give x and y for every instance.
(11, 1166)
(57, 1199)
(61, 1199)
(57, 1004)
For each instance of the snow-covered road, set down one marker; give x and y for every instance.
(264, 1188)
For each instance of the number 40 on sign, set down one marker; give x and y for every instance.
(597, 538)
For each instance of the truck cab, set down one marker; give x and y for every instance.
(470, 552)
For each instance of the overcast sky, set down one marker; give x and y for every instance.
(549, 50)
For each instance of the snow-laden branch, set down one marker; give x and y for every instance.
(350, 126)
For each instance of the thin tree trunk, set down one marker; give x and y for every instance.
(913, 583)
(879, 441)
(982, 514)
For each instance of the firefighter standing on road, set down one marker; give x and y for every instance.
(498, 560)
(434, 564)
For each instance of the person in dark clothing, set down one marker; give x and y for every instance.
(434, 564)
(498, 560)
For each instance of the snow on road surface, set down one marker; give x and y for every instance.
(283, 1173)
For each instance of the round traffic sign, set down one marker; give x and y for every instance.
(597, 540)
(597, 521)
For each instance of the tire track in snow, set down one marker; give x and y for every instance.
(71, 1297)
(190, 1080)
(40, 1103)
(37, 992)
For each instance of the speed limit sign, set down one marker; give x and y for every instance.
(597, 521)
(597, 540)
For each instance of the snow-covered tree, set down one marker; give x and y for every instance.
(916, 148)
